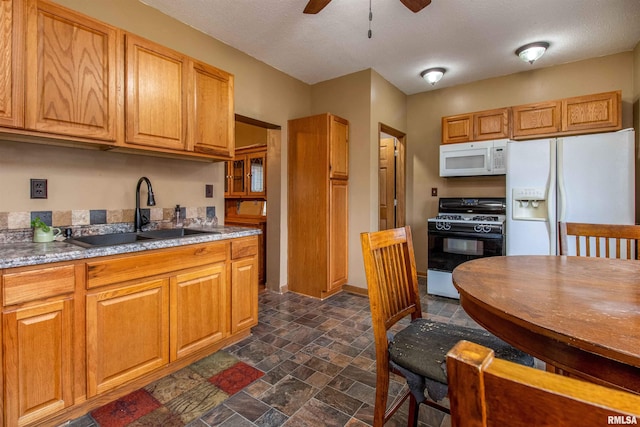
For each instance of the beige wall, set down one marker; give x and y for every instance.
(350, 98)
(247, 134)
(82, 179)
(425, 111)
(365, 99)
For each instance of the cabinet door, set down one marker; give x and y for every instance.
(198, 310)
(592, 112)
(11, 64)
(256, 178)
(38, 361)
(213, 116)
(536, 119)
(127, 333)
(156, 95)
(338, 148)
(338, 245)
(238, 176)
(244, 284)
(457, 129)
(491, 124)
(70, 73)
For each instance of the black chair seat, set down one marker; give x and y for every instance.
(422, 347)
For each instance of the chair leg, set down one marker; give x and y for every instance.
(382, 390)
(414, 411)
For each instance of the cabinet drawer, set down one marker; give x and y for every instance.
(130, 267)
(38, 284)
(244, 247)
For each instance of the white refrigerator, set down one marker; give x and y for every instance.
(587, 178)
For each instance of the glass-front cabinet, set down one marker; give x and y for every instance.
(245, 175)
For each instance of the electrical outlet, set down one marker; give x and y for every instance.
(208, 190)
(434, 191)
(38, 188)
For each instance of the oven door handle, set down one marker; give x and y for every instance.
(466, 236)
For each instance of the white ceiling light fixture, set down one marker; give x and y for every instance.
(433, 75)
(532, 52)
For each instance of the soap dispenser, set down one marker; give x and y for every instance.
(177, 219)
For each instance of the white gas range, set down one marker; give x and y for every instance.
(464, 229)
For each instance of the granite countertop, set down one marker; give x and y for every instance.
(28, 253)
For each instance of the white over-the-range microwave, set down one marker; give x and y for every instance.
(474, 158)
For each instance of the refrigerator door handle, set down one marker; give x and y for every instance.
(551, 214)
(562, 194)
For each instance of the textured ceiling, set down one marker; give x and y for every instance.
(472, 39)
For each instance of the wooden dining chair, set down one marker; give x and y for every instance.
(484, 391)
(599, 240)
(418, 348)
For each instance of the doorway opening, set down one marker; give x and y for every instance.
(391, 177)
(255, 167)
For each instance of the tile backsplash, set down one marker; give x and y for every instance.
(16, 226)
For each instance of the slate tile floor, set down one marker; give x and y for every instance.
(319, 363)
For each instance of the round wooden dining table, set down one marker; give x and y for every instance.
(579, 314)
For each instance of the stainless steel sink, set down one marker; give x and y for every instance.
(125, 238)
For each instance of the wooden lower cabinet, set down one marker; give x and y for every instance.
(259, 222)
(127, 333)
(338, 236)
(38, 319)
(244, 293)
(78, 334)
(197, 317)
(38, 361)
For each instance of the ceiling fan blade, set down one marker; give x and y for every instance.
(416, 5)
(315, 6)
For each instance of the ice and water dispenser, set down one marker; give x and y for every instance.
(529, 204)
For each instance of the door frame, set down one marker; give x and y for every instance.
(400, 169)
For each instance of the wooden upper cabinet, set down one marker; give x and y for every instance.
(479, 126)
(457, 128)
(601, 111)
(11, 64)
(70, 73)
(214, 111)
(491, 124)
(156, 95)
(537, 119)
(338, 148)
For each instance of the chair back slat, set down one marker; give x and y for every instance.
(599, 240)
(391, 275)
